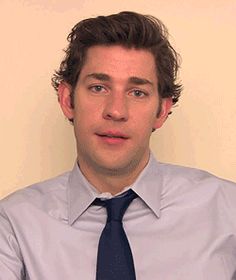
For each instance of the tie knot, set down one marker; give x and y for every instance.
(117, 206)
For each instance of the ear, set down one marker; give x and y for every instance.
(64, 98)
(166, 105)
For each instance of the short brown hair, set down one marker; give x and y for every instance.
(128, 29)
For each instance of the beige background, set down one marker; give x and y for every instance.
(37, 142)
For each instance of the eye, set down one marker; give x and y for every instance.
(138, 93)
(97, 88)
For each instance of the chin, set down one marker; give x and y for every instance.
(117, 167)
(110, 164)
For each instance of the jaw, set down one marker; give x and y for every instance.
(112, 173)
(113, 159)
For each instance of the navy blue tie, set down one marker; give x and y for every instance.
(114, 259)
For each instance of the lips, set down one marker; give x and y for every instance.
(112, 137)
(113, 134)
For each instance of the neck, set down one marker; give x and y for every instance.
(112, 181)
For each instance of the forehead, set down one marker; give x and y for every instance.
(119, 62)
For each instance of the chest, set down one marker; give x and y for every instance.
(178, 246)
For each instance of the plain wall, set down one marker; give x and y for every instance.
(37, 142)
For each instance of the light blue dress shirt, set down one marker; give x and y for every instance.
(181, 227)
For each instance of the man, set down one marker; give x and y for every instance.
(117, 84)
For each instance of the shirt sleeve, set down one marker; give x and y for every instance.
(11, 262)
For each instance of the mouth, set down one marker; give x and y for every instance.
(112, 137)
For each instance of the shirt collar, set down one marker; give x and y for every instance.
(80, 194)
(147, 186)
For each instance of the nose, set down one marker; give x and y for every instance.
(116, 108)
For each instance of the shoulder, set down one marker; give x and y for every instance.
(36, 194)
(192, 176)
(193, 185)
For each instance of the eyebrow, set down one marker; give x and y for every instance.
(99, 76)
(133, 80)
(140, 81)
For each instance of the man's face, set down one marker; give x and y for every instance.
(115, 108)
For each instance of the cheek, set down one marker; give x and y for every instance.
(144, 122)
(82, 109)
(149, 115)
(86, 117)
(88, 105)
